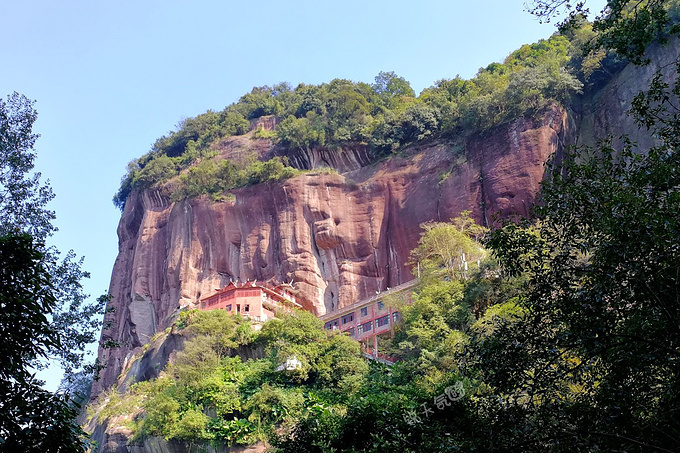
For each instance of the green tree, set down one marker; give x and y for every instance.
(233, 123)
(43, 311)
(432, 331)
(259, 102)
(392, 88)
(157, 170)
(625, 26)
(598, 347)
(310, 100)
(531, 88)
(22, 196)
(31, 419)
(302, 133)
(447, 249)
(419, 121)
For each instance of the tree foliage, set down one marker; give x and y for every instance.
(448, 250)
(596, 351)
(386, 115)
(43, 312)
(590, 362)
(215, 177)
(22, 196)
(211, 394)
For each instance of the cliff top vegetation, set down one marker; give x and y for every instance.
(385, 115)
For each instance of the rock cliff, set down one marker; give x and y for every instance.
(339, 237)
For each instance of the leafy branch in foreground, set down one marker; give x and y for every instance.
(43, 312)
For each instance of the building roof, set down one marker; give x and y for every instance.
(276, 291)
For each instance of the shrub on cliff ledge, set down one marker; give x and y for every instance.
(214, 178)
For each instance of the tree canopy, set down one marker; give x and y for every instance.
(44, 314)
(211, 393)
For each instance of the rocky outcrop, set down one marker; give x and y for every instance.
(337, 237)
(345, 159)
(604, 112)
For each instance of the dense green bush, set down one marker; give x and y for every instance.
(215, 177)
(209, 393)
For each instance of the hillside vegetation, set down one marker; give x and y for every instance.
(385, 115)
(210, 393)
(232, 384)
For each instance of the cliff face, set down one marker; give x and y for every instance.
(338, 237)
(604, 111)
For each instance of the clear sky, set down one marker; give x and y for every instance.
(111, 77)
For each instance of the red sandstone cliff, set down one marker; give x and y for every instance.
(338, 237)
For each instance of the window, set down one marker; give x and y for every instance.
(246, 308)
(229, 307)
(384, 321)
(348, 318)
(381, 305)
(395, 317)
(352, 333)
(364, 311)
(368, 326)
(331, 325)
(360, 329)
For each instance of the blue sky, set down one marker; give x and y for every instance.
(110, 78)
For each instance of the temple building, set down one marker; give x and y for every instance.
(257, 302)
(367, 319)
